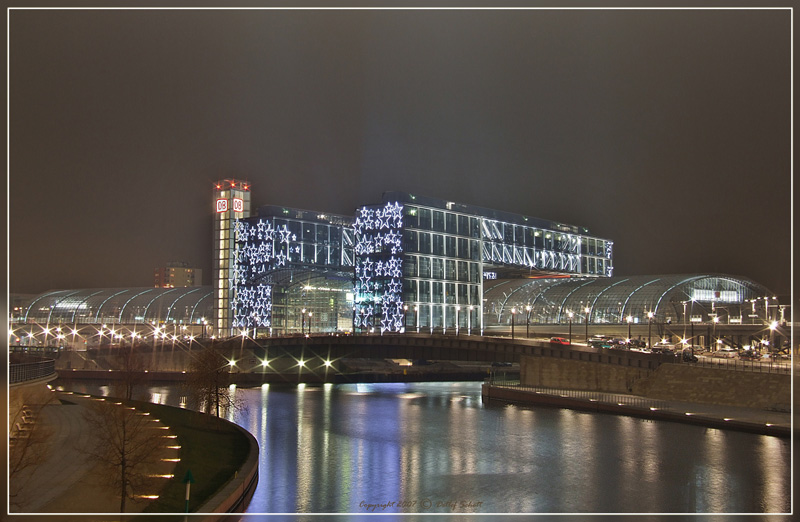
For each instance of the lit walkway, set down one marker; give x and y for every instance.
(67, 481)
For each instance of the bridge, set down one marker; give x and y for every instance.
(315, 350)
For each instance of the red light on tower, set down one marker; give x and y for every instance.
(233, 183)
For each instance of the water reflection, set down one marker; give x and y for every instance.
(436, 448)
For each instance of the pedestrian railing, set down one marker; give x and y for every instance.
(30, 371)
(741, 365)
(588, 395)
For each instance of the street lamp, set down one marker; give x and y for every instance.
(416, 320)
(303, 327)
(513, 313)
(405, 316)
(309, 322)
(588, 312)
(630, 320)
(714, 332)
(458, 309)
(570, 314)
(469, 320)
(649, 329)
(772, 327)
(528, 321)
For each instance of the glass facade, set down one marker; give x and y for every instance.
(286, 261)
(616, 300)
(129, 306)
(447, 252)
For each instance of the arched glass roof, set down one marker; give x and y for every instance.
(614, 299)
(121, 306)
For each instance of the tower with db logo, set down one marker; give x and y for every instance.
(231, 202)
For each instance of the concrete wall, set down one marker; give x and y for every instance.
(671, 382)
(683, 382)
(579, 375)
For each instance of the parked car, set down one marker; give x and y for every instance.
(687, 355)
(559, 341)
(726, 351)
(749, 354)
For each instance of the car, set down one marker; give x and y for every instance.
(559, 341)
(726, 351)
(749, 354)
(687, 355)
(599, 343)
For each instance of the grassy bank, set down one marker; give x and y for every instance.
(212, 449)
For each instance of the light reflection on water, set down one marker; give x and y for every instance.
(439, 449)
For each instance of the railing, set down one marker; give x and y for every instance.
(31, 371)
(586, 395)
(784, 367)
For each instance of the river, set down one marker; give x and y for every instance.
(437, 448)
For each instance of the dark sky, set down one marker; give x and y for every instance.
(665, 131)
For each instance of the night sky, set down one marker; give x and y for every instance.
(665, 131)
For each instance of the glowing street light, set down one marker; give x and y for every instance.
(588, 313)
(528, 321)
(513, 313)
(649, 329)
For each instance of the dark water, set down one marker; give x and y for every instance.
(436, 448)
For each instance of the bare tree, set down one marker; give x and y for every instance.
(28, 448)
(132, 368)
(209, 381)
(125, 443)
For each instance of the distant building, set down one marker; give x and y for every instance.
(178, 275)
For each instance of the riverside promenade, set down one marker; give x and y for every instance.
(753, 420)
(65, 481)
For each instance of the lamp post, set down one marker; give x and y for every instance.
(405, 316)
(416, 314)
(649, 329)
(630, 320)
(513, 313)
(528, 321)
(303, 324)
(773, 325)
(570, 314)
(714, 334)
(469, 320)
(458, 309)
(310, 314)
(684, 320)
(588, 311)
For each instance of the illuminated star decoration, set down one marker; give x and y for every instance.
(378, 293)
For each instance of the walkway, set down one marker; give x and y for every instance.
(66, 481)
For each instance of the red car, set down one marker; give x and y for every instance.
(559, 341)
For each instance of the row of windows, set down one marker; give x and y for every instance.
(422, 291)
(440, 221)
(438, 316)
(592, 265)
(444, 269)
(441, 245)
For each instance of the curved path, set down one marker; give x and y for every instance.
(65, 480)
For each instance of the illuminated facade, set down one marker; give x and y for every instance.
(231, 203)
(292, 267)
(421, 262)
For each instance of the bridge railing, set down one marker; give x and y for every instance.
(759, 366)
(586, 395)
(30, 371)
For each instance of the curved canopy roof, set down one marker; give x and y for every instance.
(122, 306)
(615, 299)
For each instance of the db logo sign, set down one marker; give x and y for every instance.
(238, 205)
(222, 205)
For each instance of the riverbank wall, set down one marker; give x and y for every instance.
(672, 382)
